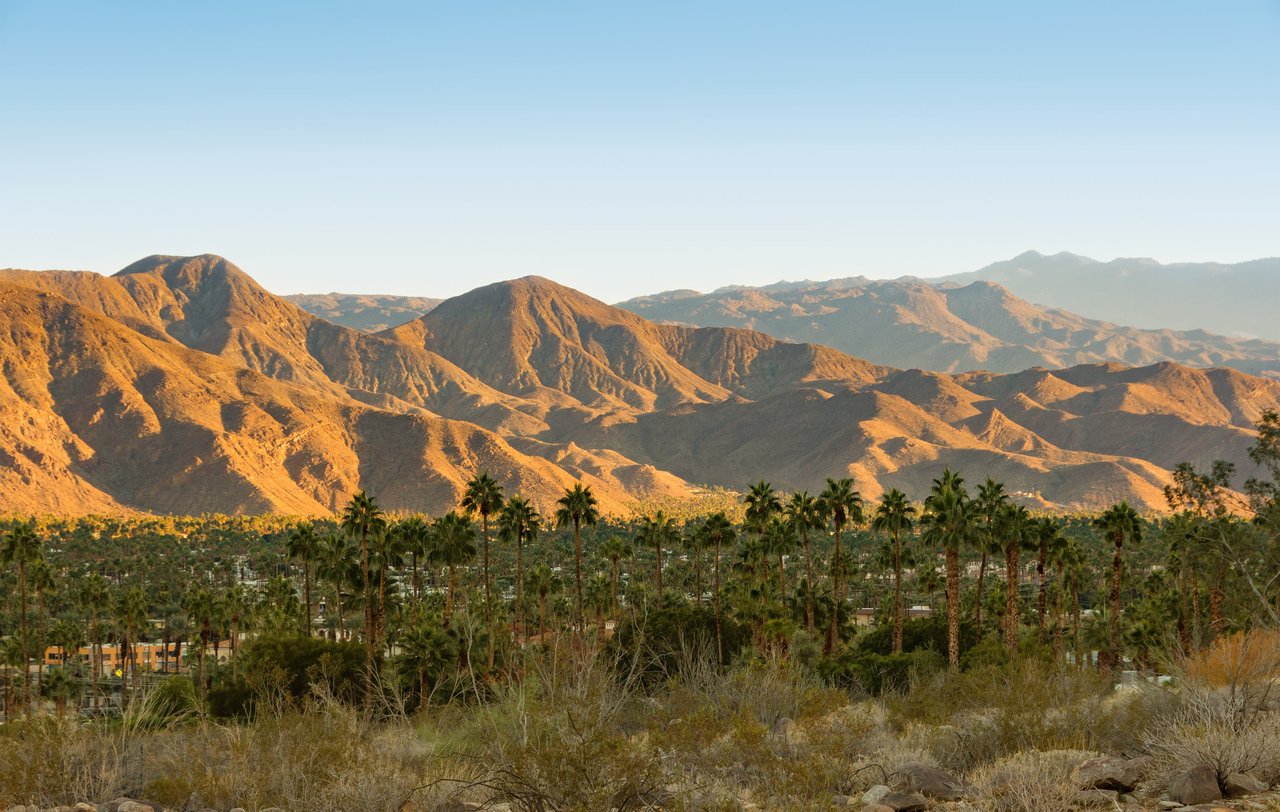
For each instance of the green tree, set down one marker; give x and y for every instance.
(455, 546)
(542, 582)
(1017, 531)
(362, 519)
(658, 532)
(95, 601)
(614, 549)
(576, 508)
(484, 497)
(842, 505)
(894, 517)
(131, 620)
(990, 501)
(1119, 523)
(337, 564)
(948, 525)
(804, 512)
(303, 545)
(21, 546)
(519, 522)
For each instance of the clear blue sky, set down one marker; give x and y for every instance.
(625, 148)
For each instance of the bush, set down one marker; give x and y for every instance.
(293, 665)
(878, 674)
(653, 646)
(1030, 782)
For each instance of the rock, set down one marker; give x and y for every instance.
(876, 808)
(128, 805)
(1238, 785)
(1198, 785)
(84, 807)
(1097, 797)
(1108, 772)
(873, 795)
(1170, 805)
(932, 783)
(904, 802)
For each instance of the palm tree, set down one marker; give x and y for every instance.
(1016, 528)
(95, 600)
(1049, 538)
(543, 582)
(131, 619)
(842, 505)
(201, 607)
(362, 519)
(1118, 523)
(517, 523)
(40, 579)
(427, 650)
(412, 534)
(893, 517)
(484, 496)
(615, 548)
(948, 524)
(336, 563)
(455, 545)
(805, 514)
(21, 546)
(779, 540)
(238, 604)
(597, 597)
(991, 500)
(61, 687)
(692, 542)
(388, 554)
(762, 503)
(719, 531)
(576, 508)
(302, 546)
(658, 532)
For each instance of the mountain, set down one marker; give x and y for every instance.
(368, 312)
(947, 327)
(181, 385)
(1229, 299)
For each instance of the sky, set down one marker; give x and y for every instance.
(626, 148)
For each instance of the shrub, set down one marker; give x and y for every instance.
(1033, 781)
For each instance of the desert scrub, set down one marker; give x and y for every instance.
(971, 718)
(1033, 781)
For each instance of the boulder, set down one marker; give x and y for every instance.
(1108, 772)
(1198, 785)
(904, 801)
(876, 808)
(1238, 785)
(1097, 797)
(873, 795)
(932, 783)
(138, 806)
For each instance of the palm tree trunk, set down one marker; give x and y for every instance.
(982, 577)
(658, 566)
(1075, 624)
(519, 582)
(716, 598)
(577, 573)
(306, 583)
(808, 574)
(40, 644)
(368, 595)
(835, 597)
(1117, 566)
(488, 597)
(697, 576)
(1057, 623)
(448, 598)
(613, 578)
(953, 608)
(26, 640)
(1217, 622)
(1012, 615)
(898, 610)
(1044, 586)
(337, 602)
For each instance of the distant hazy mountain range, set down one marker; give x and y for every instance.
(359, 311)
(978, 320)
(1232, 300)
(181, 385)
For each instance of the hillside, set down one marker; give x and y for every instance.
(947, 328)
(1228, 299)
(180, 384)
(368, 312)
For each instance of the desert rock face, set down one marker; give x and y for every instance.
(181, 385)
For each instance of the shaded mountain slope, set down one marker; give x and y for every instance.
(368, 312)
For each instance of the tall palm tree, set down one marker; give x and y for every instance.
(805, 514)
(362, 519)
(238, 604)
(1049, 540)
(615, 548)
(597, 597)
(95, 600)
(455, 546)
(201, 607)
(842, 505)
(337, 564)
(693, 543)
(990, 501)
(426, 651)
(414, 534)
(40, 578)
(519, 522)
(1118, 523)
(302, 546)
(484, 497)
(131, 620)
(719, 531)
(576, 508)
(1017, 531)
(893, 517)
(543, 582)
(21, 546)
(780, 540)
(658, 532)
(948, 524)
